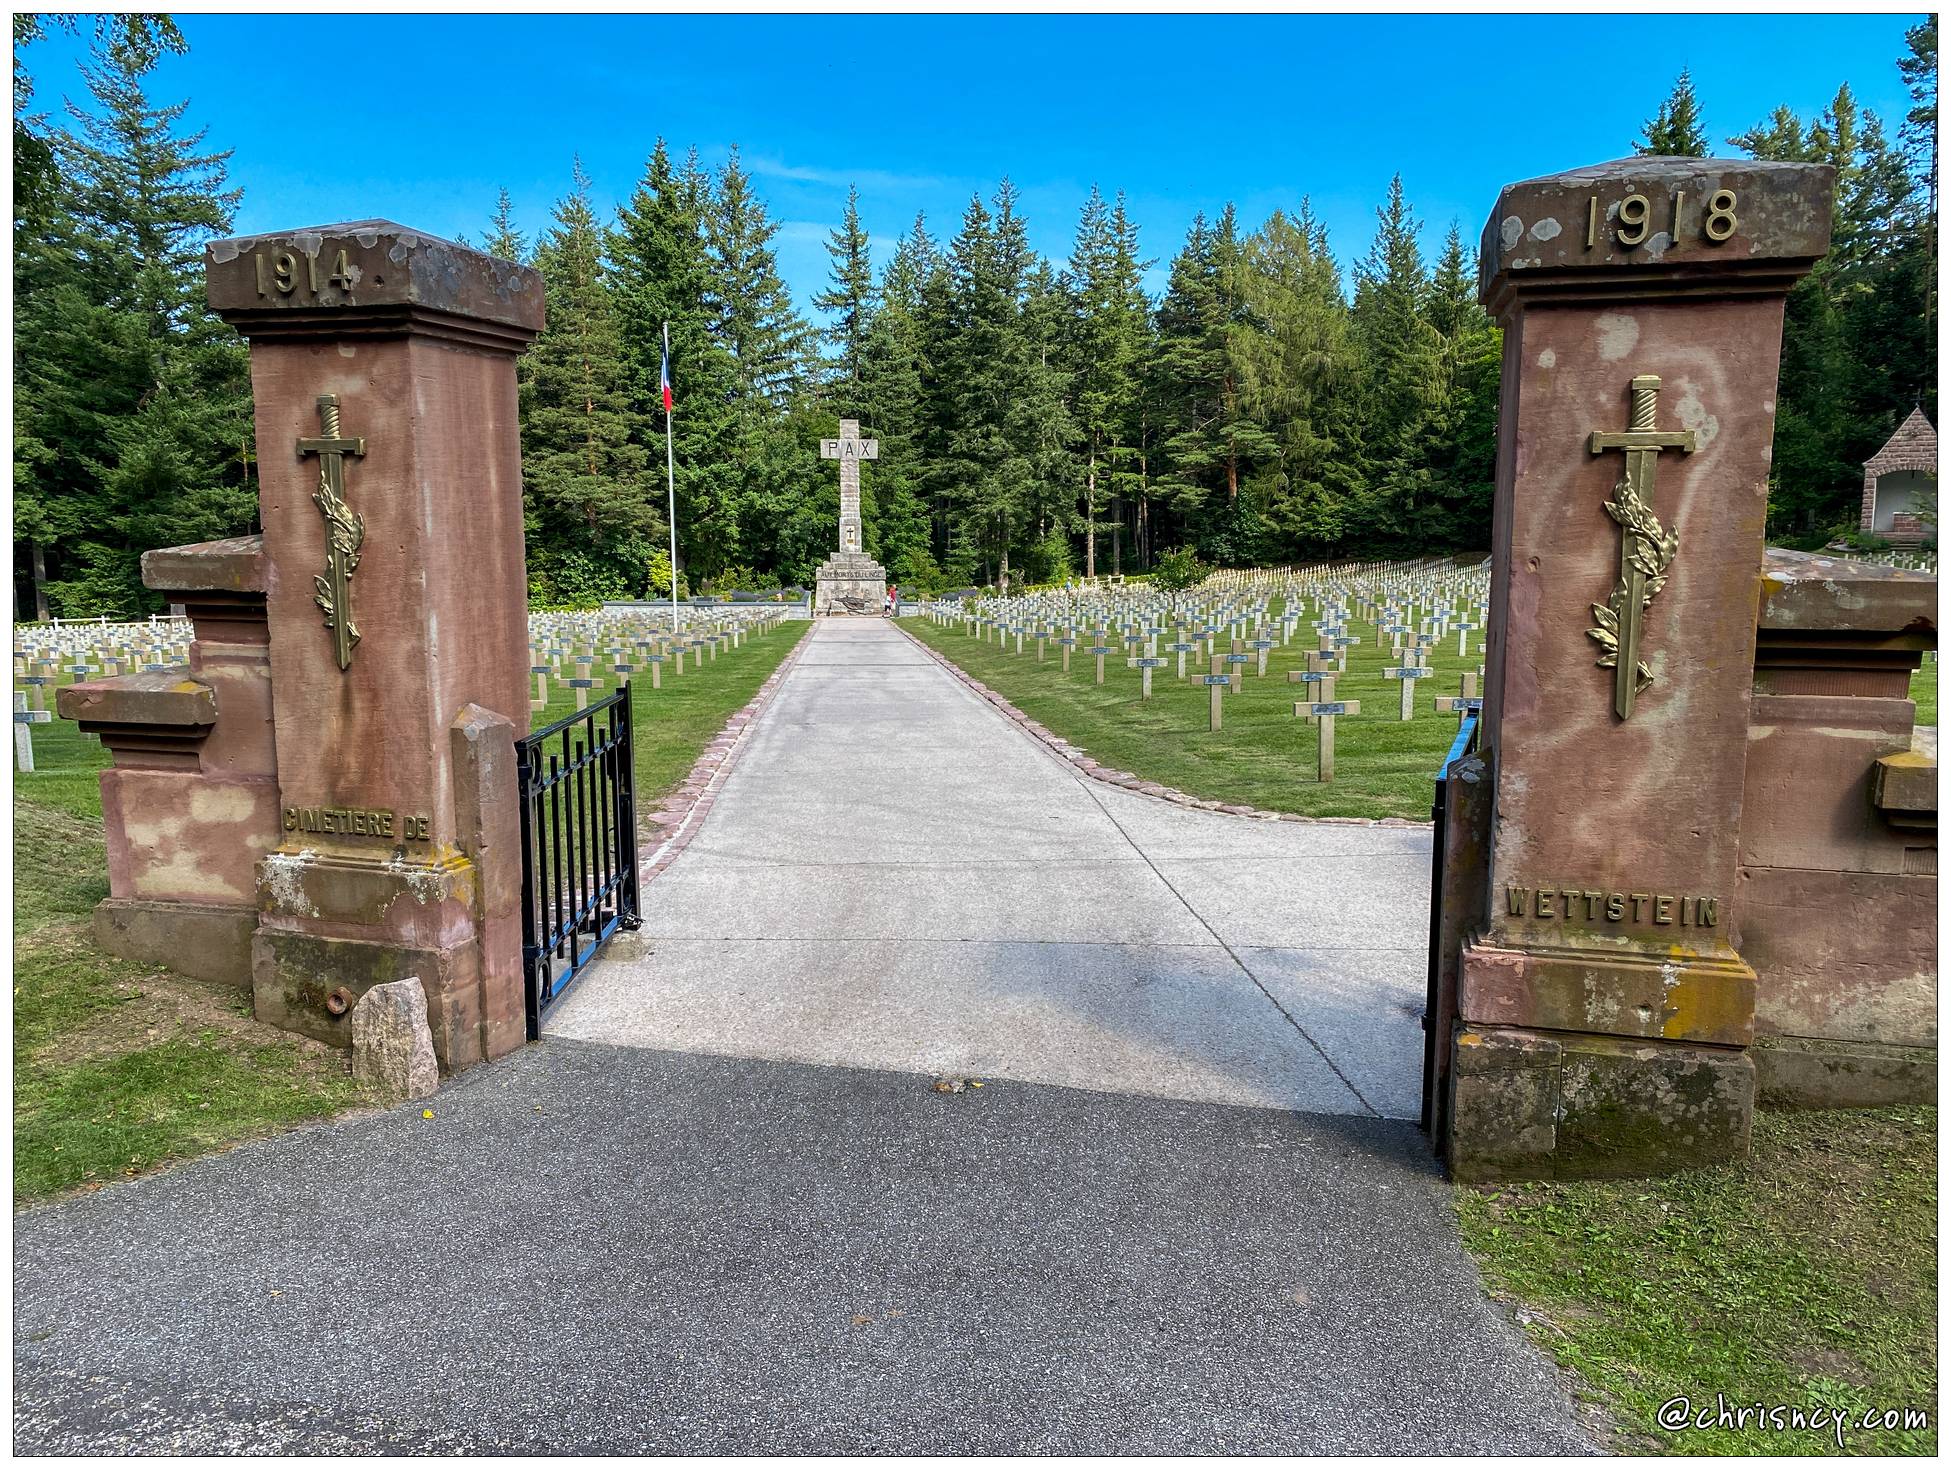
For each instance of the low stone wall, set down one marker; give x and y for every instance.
(1836, 908)
(190, 805)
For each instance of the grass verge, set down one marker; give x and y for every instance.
(1262, 755)
(674, 723)
(119, 1067)
(1806, 1275)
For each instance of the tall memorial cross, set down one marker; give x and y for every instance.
(850, 580)
(850, 449)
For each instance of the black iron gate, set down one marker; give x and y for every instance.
(579, 845)
(1438, 1007)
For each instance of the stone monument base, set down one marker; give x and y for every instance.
(850, 582)
(1543, 1104)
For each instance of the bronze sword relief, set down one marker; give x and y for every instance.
(345, 529)
(1646, 548)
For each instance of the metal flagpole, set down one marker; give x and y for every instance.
(670, 472)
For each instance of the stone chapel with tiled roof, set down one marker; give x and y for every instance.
(1900, 485)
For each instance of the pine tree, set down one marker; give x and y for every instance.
(132, 411)
(849, 302)
(1106, 342)
(1463, 438)
(1211, 441)
(593, 523)
(503, 240)
(1675, 130)
(662, 275)
(892, 410)
(1187, 371)
(1125, 466)
(753, 318)
(1041, 428)
(1856, 352)
(976, 373)
(1299, 376)
(1919, 136)
(1402, 368)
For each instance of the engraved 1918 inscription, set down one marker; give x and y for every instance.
(1596, 906)
(1632, 219)
(352, 821)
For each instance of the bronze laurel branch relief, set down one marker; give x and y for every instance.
(345, 528)
(1649, 548)
(1646, 548)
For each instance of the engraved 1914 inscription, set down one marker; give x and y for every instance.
(279, 272)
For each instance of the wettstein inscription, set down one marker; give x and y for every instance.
(1595, 905)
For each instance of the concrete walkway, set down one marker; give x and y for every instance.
(895, 877)
(1203, 1241)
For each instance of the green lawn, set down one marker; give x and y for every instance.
(120, 1068)
(1262, 756)
(1923, 691)
(1805, 1276)
(673, 724)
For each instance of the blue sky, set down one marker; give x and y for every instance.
(422, 118)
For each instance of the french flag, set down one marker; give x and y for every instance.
(664, 369)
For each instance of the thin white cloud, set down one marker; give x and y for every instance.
(868, 180)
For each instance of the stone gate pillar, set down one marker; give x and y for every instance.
(1602, 1011)
(383, 366)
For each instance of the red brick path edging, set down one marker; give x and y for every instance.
(1084, 765)
(668, 830)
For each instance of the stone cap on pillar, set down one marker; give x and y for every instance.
(220, 584)
(234, 565)
(1656, 226)
(156, 721)
(1809, 593)
(371, 278)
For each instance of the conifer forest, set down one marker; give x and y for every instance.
(1285, 397)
